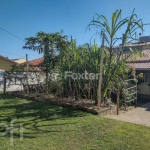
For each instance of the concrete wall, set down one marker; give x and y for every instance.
(16, 85)
(9, 87)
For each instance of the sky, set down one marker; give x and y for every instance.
(24, 18)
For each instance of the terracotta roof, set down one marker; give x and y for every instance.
(141, 62)
(36, 62)
(34, 65)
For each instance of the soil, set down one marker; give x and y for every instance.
(82, 104)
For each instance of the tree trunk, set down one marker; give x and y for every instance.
(99, 95)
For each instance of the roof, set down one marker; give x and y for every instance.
(36, 62)
(134, 45)
(141, 66)
(34, 65)
(141, 62)
(7, 59)
(144, 57)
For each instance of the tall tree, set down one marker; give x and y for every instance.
(132, 24)
(49, 44)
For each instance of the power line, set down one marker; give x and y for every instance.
(12, 34)
(12, 53)
(23, 55)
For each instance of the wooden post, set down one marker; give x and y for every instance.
(4, 90)
(125, 105)
(118, 98)
(136, 94)
(99, 95)
(27, 68)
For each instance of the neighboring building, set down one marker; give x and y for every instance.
(36, 62)
(35, 74)
(19, 60)
(144, 39)
(33, 65)
(141, 63)
(5, 63)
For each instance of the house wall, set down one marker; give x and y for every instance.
(144, 88)
(5, 64)
(19, 61)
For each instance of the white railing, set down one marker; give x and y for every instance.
(134, 93)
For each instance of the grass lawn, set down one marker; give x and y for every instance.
(48, 127)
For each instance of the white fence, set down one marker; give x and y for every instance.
(14, 84)
(10, 86)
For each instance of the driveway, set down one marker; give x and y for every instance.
(139, 115)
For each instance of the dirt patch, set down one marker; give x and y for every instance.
(83, 104)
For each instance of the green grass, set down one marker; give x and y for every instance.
(48, 127)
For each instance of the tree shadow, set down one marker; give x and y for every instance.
(31, 114)
(147, 106)
(7, 96)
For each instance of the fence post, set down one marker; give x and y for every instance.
(4, 90)
(27, 67)
(136, 94)
(118, 97)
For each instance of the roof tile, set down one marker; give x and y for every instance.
(141, 66)
(144, 58)
(142, 62)
(36, 62)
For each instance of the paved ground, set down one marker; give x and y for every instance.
(139, 115)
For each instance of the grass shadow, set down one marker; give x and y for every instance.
(32, 115)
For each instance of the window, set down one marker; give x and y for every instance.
(147, 77)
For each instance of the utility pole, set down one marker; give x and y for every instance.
(27, 68)
(99, 95)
